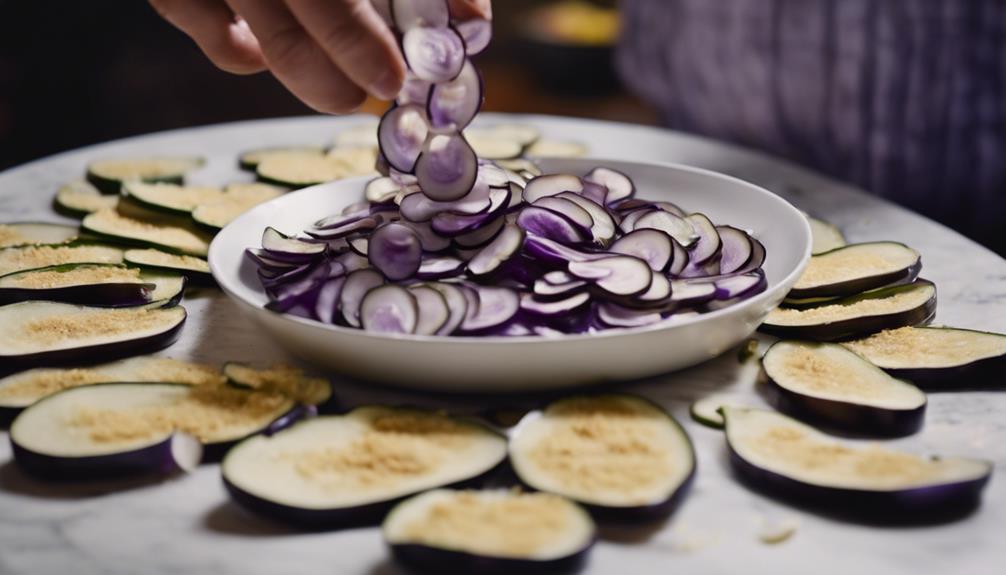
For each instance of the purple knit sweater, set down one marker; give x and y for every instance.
(906, 98)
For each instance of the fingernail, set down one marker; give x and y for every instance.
(386, 87)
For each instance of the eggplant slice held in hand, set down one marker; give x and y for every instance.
(337, 471)
(937, 356)
(857, 268)
(108, 429)
(862, 314)
(783, 456)
(492, 531)
(621, 456)
(828, 383)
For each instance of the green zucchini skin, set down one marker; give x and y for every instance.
(859, 326)
(113, 186)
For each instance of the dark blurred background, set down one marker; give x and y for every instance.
(74, 73)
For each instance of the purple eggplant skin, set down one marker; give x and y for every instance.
(859, 285)
(95, 353)
(923, 504)
(97, 295)
(426, 559)
(842, 415)
(860, 326)
(214, 452)
(980, 375)
(156, 459)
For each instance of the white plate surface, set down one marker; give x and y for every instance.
(484, 364)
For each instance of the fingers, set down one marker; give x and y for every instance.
(355, 37)
(296, 59)
(226, 41)
(468, 9)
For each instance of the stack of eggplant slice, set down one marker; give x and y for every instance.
(447, 243)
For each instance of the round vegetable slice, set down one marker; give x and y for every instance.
(863, 314)
(616, 275)
(35, 233)
(621, 456)
(108, 175)
(551, 185)
(788, 458)
(433, 311)
(496, 306)
(652, 246)
(619, 185)
(395, 250)
(454, 104)
(447, 167)
(857, 268)
(546, 223)
(675, 226)
(828, 383)
(54, 435)
(476, 33)
(434, 54)
(937, 356)
(79, 198)
(505, 246)
(350, 469)
(40, 332)
(389, 309)
(493, 531)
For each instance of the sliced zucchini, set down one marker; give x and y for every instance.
(196, 269)
(22, 389)
(32, 257)
(791, 459)
(828, 383)
(251, 159)
(363, 135)
(238, 199)
(300, 171)
(556, 149)
(35, 333)
(857, 268)
(112, 224)
(112, 285)
(621, 456)
(355, 161)
(281, 378)
(52, 435)
(34, 233)
(936, 356)
(862, 314)
(79, 198)
(171, 198)
(108, 175)
(824, 236)
(350, 469)
(493, 531)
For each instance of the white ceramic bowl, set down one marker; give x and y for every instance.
(484, 364)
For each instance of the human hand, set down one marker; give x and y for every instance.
(329, 53)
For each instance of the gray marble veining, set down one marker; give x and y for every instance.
(187, 525)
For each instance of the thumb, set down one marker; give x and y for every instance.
(468, 9)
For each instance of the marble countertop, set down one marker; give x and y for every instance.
(186, 524)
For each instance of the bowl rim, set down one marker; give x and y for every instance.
(669, 323)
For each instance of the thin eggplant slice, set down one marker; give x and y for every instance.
(830, 384)
(396, 251)
(35, 233)
(675, 226)
(602, 226)
(402, 132)
(22, 389)
(652, 246)
(434, 54)
(251, 159)
(496, 306)
(493, 531)
(454, 104)
(476, 33)
(389, 309)
(36, 333)
(615, 315)
(197, 270)
(440, 267)
(621, 456)
(863, 314)
(447, 167)
(79, 198)
(530, 304)
(433, 311)
(857, 268)
(281, 378)
(23, 258)
(783, 456)
(505, 246)
(736, 249)
(112, 224)
(618, 185)
(108, 175)
(825, 237)
(937, 356)
(283, 247)
(551, 185)
(617, 275)
(548, 224)
(94, 428)
(346, 470)
(571, 210)
(457, 304)
(708, 246)
(112, 285)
